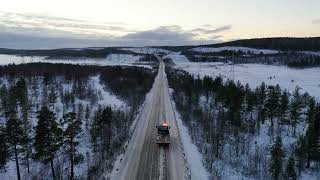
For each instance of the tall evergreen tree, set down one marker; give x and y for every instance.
(21, 93)
(272, 102)
(52, 97)
(284, 105)
(277, 155)
(295, 109)
(313, 136)
(71, 134)
(101, 130)
(290, 169)
(4, 151)
(16, 137)
(48, 138)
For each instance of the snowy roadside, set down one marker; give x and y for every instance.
(194, 157)
(117, 163)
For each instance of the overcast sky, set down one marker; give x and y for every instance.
(80, 23)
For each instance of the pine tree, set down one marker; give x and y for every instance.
(277, 155)
(300, 152)
(313, 136)
(71, 134)
(16, 137)
(272, 102)
(295, 109)
(4, 151)
(290, 169)
(52, 97)
(4, 96)
(284, 105)
(21, 93)
(101, 129)
(48, 138)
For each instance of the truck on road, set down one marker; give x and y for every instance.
(163, 134)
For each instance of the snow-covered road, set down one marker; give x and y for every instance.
(143, 158)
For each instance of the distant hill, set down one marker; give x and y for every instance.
(290, 44)
(281, 43)
(68, 52)
(286, 44)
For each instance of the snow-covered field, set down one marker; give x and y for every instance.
(146, 50)
(254, 74)
(231, 48)
(110, 60)
(177, 58)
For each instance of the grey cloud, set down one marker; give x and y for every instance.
(166, 33)
(21, 41)
(33, 20)
(316, 21)
(34, 31)
(212, 31)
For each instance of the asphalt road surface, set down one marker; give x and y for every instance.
(143, 158)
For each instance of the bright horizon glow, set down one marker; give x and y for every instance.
(204, 21)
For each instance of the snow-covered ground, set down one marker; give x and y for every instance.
(254, 74)
(194, 158)
(110, 60)
(231, 48)
(177, 58)
(146, 50)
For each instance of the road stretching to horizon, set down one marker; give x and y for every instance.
(143, 158)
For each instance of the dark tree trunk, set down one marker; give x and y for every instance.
(52, 170)
(17, 162)
(72, 160)
(28, 164)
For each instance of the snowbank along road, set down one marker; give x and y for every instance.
(143, 158)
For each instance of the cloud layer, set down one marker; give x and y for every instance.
(316, 21)
(29, 31)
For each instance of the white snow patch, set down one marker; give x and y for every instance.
(194, 158)
(177, 58)
(107, 97)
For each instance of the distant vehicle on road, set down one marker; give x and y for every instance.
(163, 136)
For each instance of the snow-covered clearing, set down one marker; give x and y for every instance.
(231, 48)
(254, 74)
(110, 60)
(177, 58)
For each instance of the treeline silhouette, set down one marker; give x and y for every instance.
(290, 59)
(281, 43)
(277, 43)
(61, 53)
